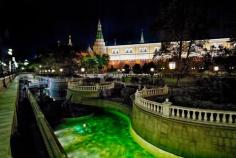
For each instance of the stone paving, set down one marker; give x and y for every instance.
(7, 105)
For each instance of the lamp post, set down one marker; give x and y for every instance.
(216, 69)
(10, 53)
(40, 69)
(152, 71)
(172, 66)
(82, 70)
(61, 71)
(123, 71)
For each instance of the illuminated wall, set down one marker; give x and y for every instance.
(141, 53)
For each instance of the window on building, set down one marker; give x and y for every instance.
(129, 50)
(143, 49)
(115, 51)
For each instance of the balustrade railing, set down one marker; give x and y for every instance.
(76, 87)
(166, 109)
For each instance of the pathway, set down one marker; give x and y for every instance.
(7, 106)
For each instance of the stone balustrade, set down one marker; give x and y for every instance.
(203, 115)
(76, 87)
(166, 109)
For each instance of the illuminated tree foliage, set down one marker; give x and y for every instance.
(94, 62)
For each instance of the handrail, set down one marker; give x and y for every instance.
(166, 109)
(52, 144)
(97, 87)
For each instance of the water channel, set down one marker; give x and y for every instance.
(101, 135)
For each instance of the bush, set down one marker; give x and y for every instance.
(159, 82)
(134, 80)
(109, 79)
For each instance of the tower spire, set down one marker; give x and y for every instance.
(99, 46)
(70, 41)
(99, 35)
(142, 38)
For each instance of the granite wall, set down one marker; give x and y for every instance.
(193, 140)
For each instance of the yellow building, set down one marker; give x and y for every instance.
(141, 52)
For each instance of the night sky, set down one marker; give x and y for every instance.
(26, 25)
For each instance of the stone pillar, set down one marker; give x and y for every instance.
(166, 108)
(217, 117)
(165, 89)
(144, 91)
(194, 115)
(230, 118)
(97, 86)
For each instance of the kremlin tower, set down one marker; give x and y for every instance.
(99, 46)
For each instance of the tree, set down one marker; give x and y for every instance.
(183, 20)
(137, 69)
(56, 58)
(166, 48)
(145, 68)
(95, 62)
(127, 68)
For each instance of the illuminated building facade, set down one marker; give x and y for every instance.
(144, 52)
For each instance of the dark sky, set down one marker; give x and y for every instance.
(26, 25)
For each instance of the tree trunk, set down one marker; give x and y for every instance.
(179, 64)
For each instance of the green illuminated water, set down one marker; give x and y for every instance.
(103, 135)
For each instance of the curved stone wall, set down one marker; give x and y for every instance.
(183, 138)
(77, 96)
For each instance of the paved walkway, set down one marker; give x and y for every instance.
(7, 106)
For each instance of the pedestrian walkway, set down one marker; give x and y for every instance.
(7, 106)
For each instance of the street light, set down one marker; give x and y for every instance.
(82, 69)
(152, 69)
(216, 68)
(26, 62)
(152, 73)
(61, 70)
(10, 53)
(172, 65)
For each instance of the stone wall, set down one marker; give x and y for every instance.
(184, 138)
(5, 81)
(77, 96)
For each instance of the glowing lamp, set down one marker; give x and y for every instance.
(9, 51)
(216, 68)
(172, 65)
(82, 69)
